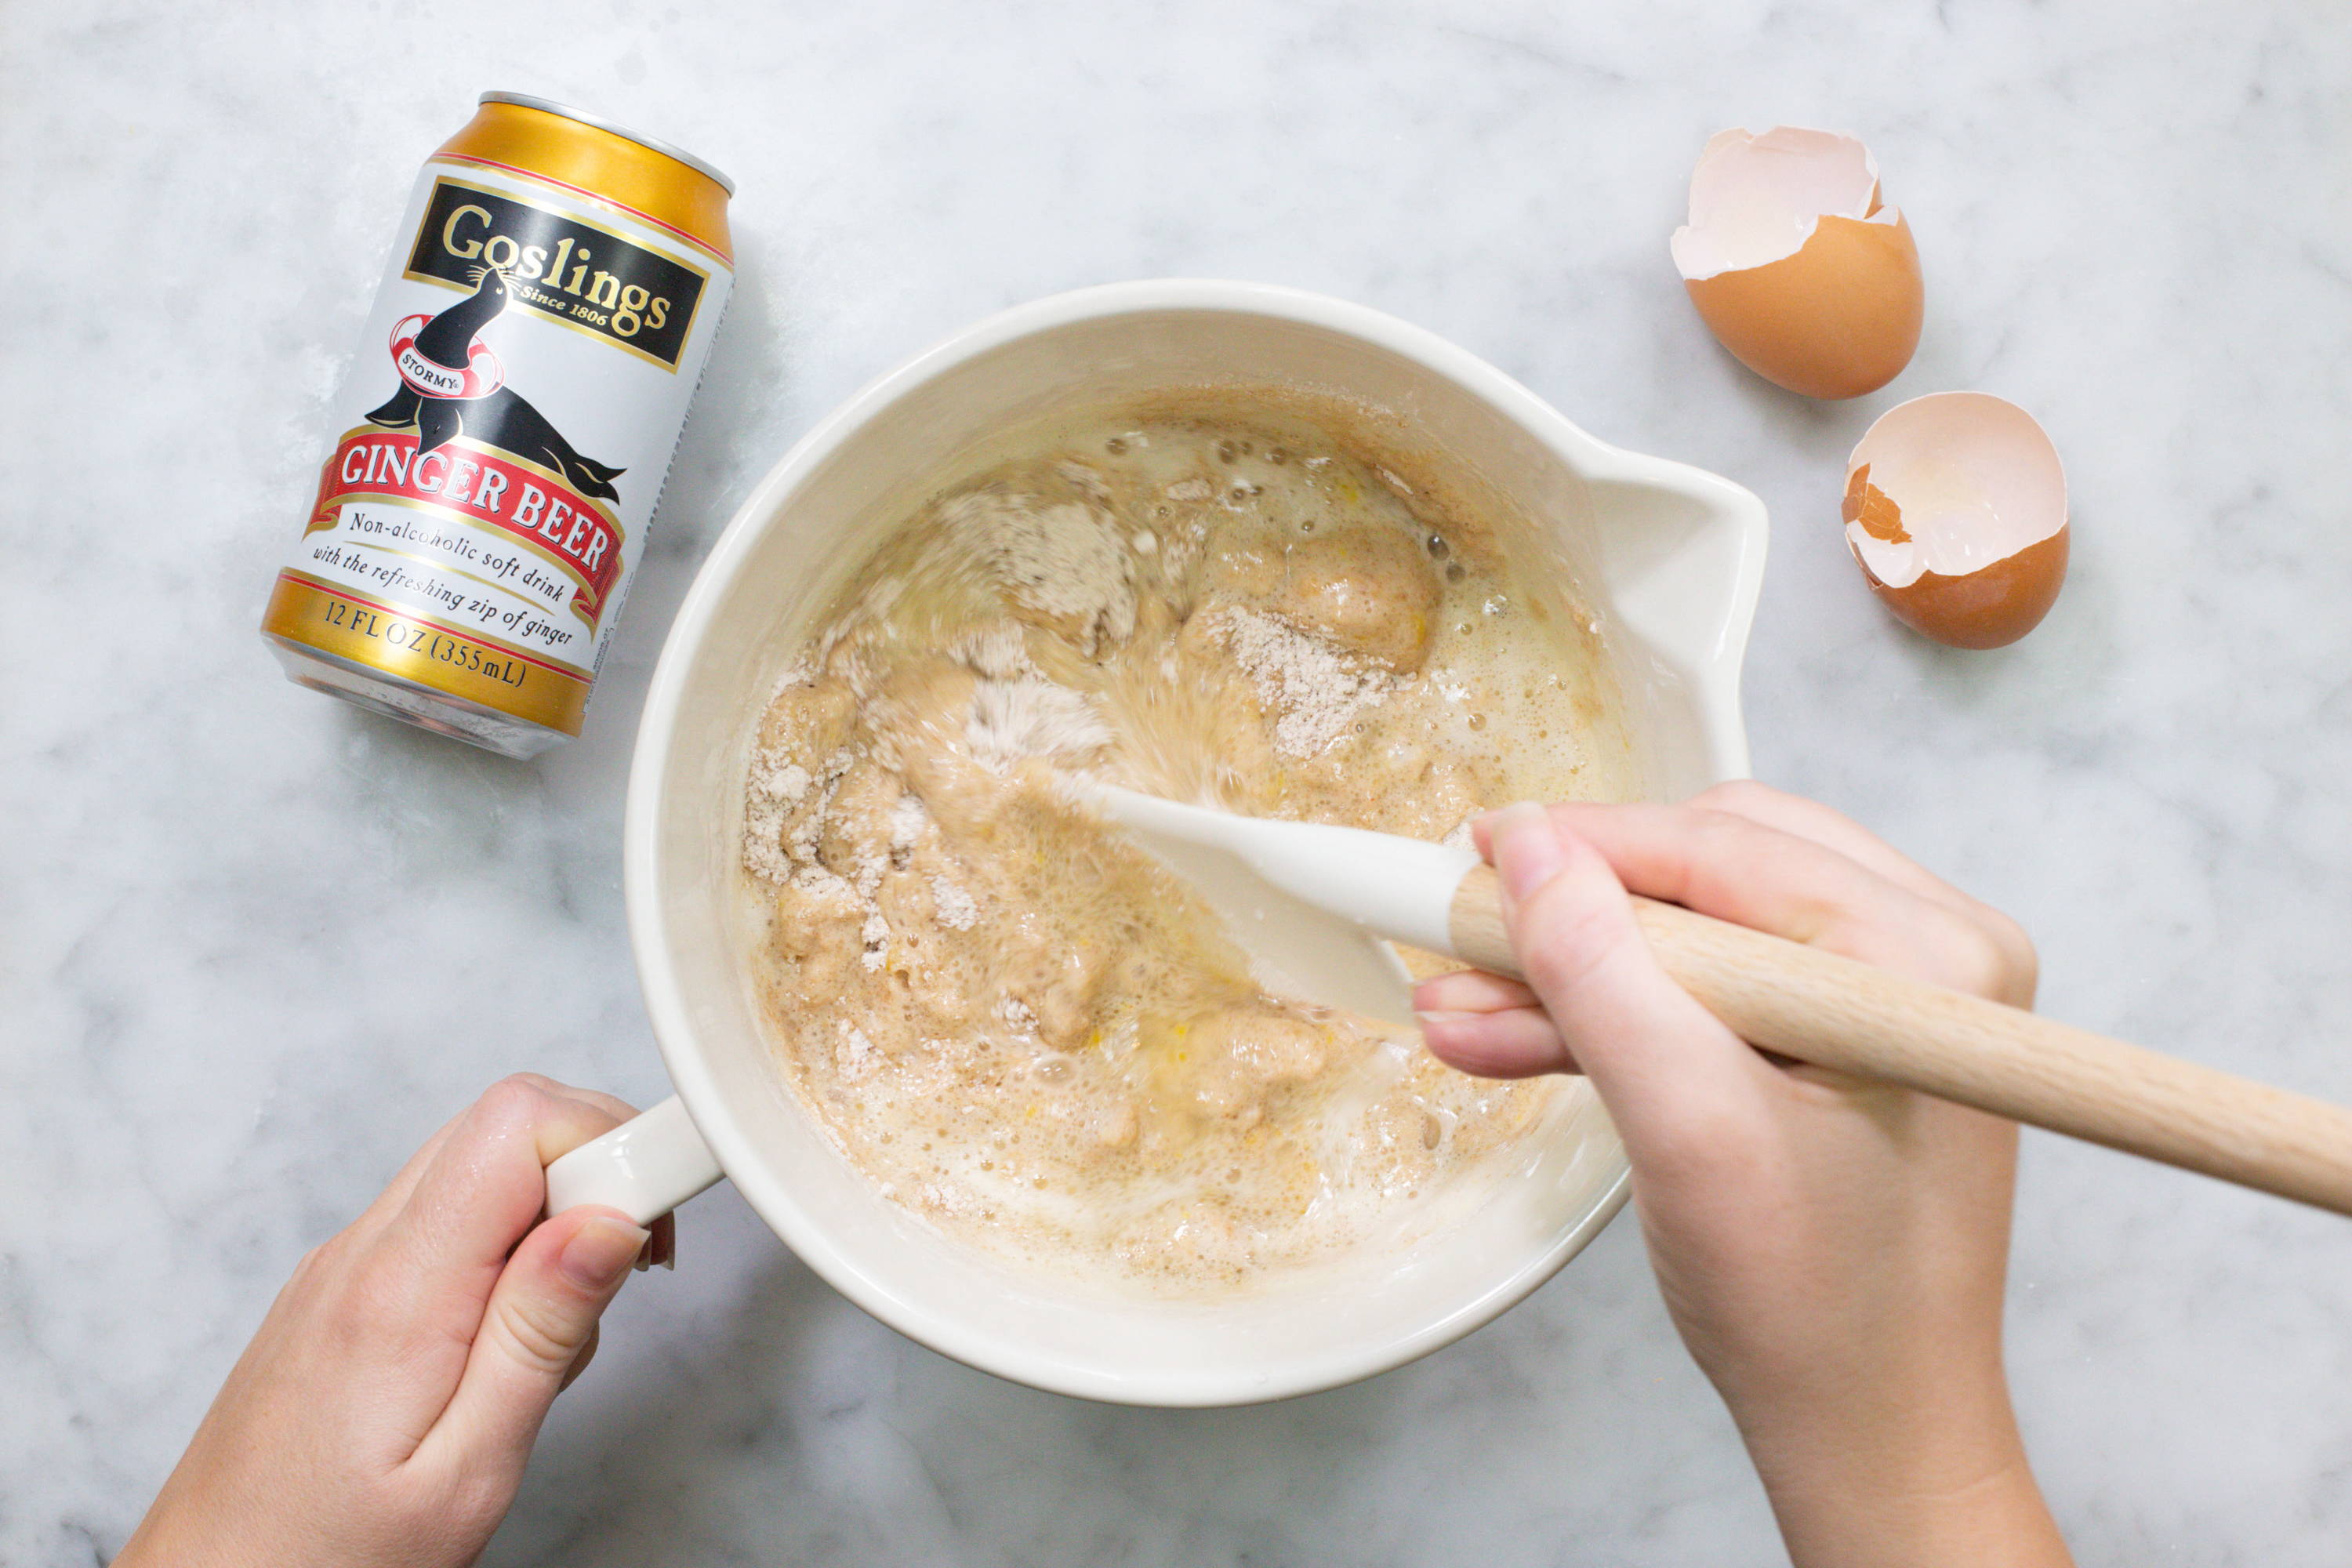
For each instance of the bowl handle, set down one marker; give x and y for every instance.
(644, 1167)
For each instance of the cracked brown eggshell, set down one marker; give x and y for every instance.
(1956, 511)
(1795, 263)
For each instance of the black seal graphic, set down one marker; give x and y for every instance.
(500, 418)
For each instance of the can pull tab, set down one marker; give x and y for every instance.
(644, 1167)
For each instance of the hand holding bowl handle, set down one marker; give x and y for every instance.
(383, 1412)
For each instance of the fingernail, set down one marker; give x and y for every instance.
(599, 1252)
(1526, 849)
(1442, 1018)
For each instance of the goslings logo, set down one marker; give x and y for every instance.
(578, 275)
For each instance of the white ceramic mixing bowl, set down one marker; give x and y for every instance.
(1668, 557)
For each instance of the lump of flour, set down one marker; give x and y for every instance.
(1314, 686)
(1058, 563)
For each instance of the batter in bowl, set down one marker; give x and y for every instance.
(1021, 1024)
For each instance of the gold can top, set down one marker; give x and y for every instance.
(665, 184)
(666, 149)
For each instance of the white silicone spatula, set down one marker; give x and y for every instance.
(1303, 897)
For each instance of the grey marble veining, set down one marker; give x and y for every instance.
(254, 944)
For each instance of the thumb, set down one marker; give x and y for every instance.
(542, 1316)
(1660, 1060)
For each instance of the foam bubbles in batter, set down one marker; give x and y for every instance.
(1025, 1027)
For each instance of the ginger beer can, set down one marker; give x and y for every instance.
(505, 431)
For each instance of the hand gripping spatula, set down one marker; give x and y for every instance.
(1310, 903)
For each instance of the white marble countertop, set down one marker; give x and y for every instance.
(255, 944)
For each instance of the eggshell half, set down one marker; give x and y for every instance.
(1955, 510)
(1797, 265)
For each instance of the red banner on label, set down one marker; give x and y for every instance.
(523, 501)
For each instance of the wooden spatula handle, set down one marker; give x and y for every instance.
(1835, 1012)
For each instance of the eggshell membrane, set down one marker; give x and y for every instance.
(1797, 265)
(1955, 510)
